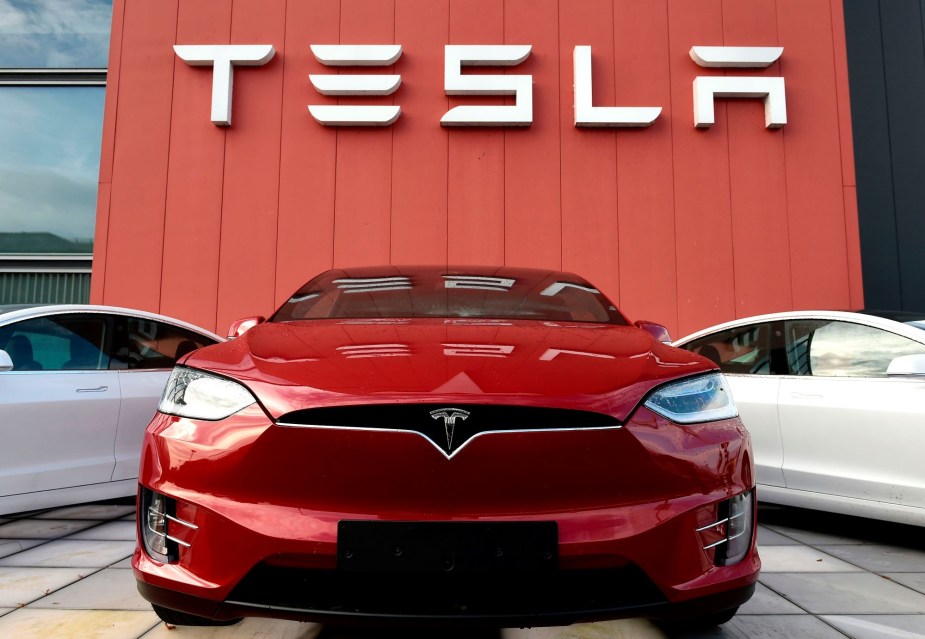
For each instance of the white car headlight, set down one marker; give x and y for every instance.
(701, 399)
(199, 395)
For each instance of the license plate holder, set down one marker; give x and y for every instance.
(447, 547)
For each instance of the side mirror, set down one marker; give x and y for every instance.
(243, 325)
(659, 332)
(6, 364)
(907, 366)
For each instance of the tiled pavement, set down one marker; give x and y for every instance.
(65, 574)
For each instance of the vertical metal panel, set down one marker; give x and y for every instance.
(876, 208)
(193, 207)
(703, 210)
(308, 153)
(685, 226)
(645, 198)
(815, 194)
(419, 151)
(250, 189)
(590, 221)
(135, 224)
(757, 178)
(532, 220)
(475, 182)
(363, 189)
(44, 288)
(904, 69)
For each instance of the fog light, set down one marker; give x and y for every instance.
(156, 524)
(160, 526)
(153, 522)
(740, 511)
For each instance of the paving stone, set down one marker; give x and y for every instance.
(622, 629)
(914, 580)
(20, 586)
(815, 538)
(108, 589)
(247, 629)
(64, 553)
(767, 602)
(13, 546)
(845, 593)
(89, 511)
(110, 531)
(43, 528)
(773, 627)
(801, 559)
(880, 559)
(880, 626)
(76, 624)
(768, 537)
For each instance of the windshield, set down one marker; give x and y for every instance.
(502, 293)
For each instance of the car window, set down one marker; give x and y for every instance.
(738, 351)
(146, 344)
(58, 342)
(826, 348)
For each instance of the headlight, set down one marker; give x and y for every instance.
(199, 395)
(701, 399)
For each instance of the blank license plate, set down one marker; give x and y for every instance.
(447, 547)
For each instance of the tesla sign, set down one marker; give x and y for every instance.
(223, 59)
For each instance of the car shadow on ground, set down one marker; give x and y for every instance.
(340, 632)
(859, 529)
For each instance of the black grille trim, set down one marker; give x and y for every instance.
(449, 434)
(571, 594)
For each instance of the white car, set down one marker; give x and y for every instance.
(835, 404)
(78, 386)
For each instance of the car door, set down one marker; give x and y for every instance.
(144, 351)
(847, 428)
(744, 354)
(59, 408)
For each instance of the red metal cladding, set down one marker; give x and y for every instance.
(679, 225)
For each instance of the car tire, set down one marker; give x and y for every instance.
(177, 618)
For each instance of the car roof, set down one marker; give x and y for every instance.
(879, 319)
(411, 270)
(14, 312)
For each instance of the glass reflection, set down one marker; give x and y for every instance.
(49, 168)
(56, 34)
(432, 292)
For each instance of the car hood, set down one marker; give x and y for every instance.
(599, 367)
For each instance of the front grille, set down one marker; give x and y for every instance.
(489, 416)
(448, 426)
(564, 593)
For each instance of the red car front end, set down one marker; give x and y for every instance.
(505, 472)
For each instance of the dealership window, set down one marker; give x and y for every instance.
(53, 56)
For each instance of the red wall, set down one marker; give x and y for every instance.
(679, 225)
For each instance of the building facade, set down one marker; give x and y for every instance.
(53, 57)
(683, 224)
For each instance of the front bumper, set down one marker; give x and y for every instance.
(330, 597)
(649, 551)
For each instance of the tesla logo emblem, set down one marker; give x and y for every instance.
(449, 415)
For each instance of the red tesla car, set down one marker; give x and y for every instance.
(446, 445)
